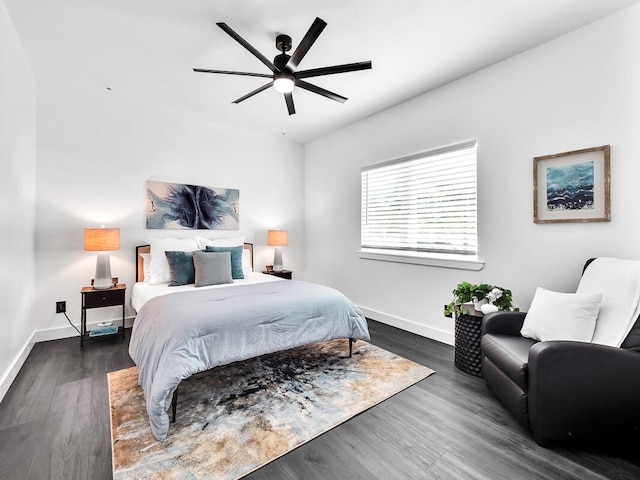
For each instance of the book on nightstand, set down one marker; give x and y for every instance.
(106, 329)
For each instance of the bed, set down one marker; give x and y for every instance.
(180, 331)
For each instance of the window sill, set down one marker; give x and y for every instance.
(434, 260)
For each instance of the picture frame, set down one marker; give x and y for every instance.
(181, 206)
(572, 186)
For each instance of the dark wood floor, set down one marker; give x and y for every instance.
(54, 423)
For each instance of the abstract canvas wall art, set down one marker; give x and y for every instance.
(181, 206)
(572, 186)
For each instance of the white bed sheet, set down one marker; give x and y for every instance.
(143, 292)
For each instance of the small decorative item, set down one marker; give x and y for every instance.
(471, 299)
(488, 308)
(572, 186)
(181, 206)
(490, 305)
(114, 282)
(269, 268)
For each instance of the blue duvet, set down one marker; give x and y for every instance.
(177, 335)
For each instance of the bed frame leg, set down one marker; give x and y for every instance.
(351, 342)
(174, 405)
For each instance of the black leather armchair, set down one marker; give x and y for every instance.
(562, 390)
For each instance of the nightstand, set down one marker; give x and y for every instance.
(283, 274)
(91, 298)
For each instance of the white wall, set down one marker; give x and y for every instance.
(17, 198)
(95, 153)
(578, 91)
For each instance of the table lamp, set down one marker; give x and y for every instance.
(102, 240)
(278, 239)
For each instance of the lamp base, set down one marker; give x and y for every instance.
(277, 259)
(102, 279)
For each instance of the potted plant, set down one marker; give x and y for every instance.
(467, 296)
(467, 299)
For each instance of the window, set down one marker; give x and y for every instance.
(425, 203)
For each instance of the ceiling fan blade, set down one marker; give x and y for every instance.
(309, 39)
(228, 72)
(347, 67)
(247, 45)
(321, 91)
(288, 97)
(251, 94)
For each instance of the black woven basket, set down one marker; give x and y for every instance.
(467, 350)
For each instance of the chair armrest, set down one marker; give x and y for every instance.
(583, 392)
(505, 323)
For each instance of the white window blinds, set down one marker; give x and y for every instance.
(424, 203)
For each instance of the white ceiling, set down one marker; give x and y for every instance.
(143, 50)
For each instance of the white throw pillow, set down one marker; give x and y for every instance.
(159, 271)
(246, 262)
(561, 316)
(146, 266)
(219, 242)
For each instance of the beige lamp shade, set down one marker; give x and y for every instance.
(278, 238)
(101, 239)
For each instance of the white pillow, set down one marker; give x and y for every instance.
(229, 242)
(246, 262)
(561, 316)
(146, 266)
(159, 266)
(219, 242)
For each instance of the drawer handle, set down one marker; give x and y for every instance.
(104, 298)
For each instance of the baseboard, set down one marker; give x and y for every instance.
(68, 331)
(42, 336)
(409, 326)
(15, 367)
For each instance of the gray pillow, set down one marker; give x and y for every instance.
(212, 268)
(236, 259)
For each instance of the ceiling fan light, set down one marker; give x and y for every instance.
(283, 84)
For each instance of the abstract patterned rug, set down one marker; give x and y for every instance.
(234, 419)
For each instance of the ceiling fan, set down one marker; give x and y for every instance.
(285, 76)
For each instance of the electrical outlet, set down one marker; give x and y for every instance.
(61, 307)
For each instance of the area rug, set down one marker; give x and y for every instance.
(234, 419)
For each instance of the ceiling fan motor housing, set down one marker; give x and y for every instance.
(283, 42)
(280, 61)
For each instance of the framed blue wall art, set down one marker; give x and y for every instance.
(572, 186)
(191, 207)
